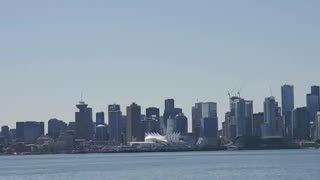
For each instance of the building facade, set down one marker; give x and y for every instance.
(301, 124)
(115, 122)
(317, 127)
(32, 131)
(181, 124)
(257, 122)
(287, 98)
(273, 124)
(100, 120)
(84, 128)
(151, 121)
(135, 131)
(56, 127)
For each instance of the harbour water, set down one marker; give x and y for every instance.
(257, 165)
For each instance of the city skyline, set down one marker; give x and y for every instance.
(134, 128)
(146, 52)
(143, 108)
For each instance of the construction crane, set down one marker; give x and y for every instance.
(230, 92)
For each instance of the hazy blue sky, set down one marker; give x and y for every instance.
(146, 51)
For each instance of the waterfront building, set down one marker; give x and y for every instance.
(134, 130)
(301, 123)
(168, 139)
(115, 123)
(84, 128)
(56, 127)
(100, 120)
(287, 98)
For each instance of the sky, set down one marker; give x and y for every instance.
(145, 51)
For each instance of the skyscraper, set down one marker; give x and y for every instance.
(196, 120)
(19, 131)
(237, 110)
(205, 121)
(181, 124)
(101, 132)
(171, 125)
(272, 125)
(313, 102)
(5, 134)
(115, 122)
(258, 119)
(135, 130)
(301, 123)
(169, 105)
(287, 96)
(56, 127)
(248, 117)
(152, 121)
(84, 125)
(229, 128)
(315, 90)
(32, 131)
(124, 121)
(241, 112)
(169, 110)
(100, 118)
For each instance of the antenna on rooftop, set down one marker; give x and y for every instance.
(81, 97)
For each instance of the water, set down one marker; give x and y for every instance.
(282, 164)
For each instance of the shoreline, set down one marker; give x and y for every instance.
(153, 151)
